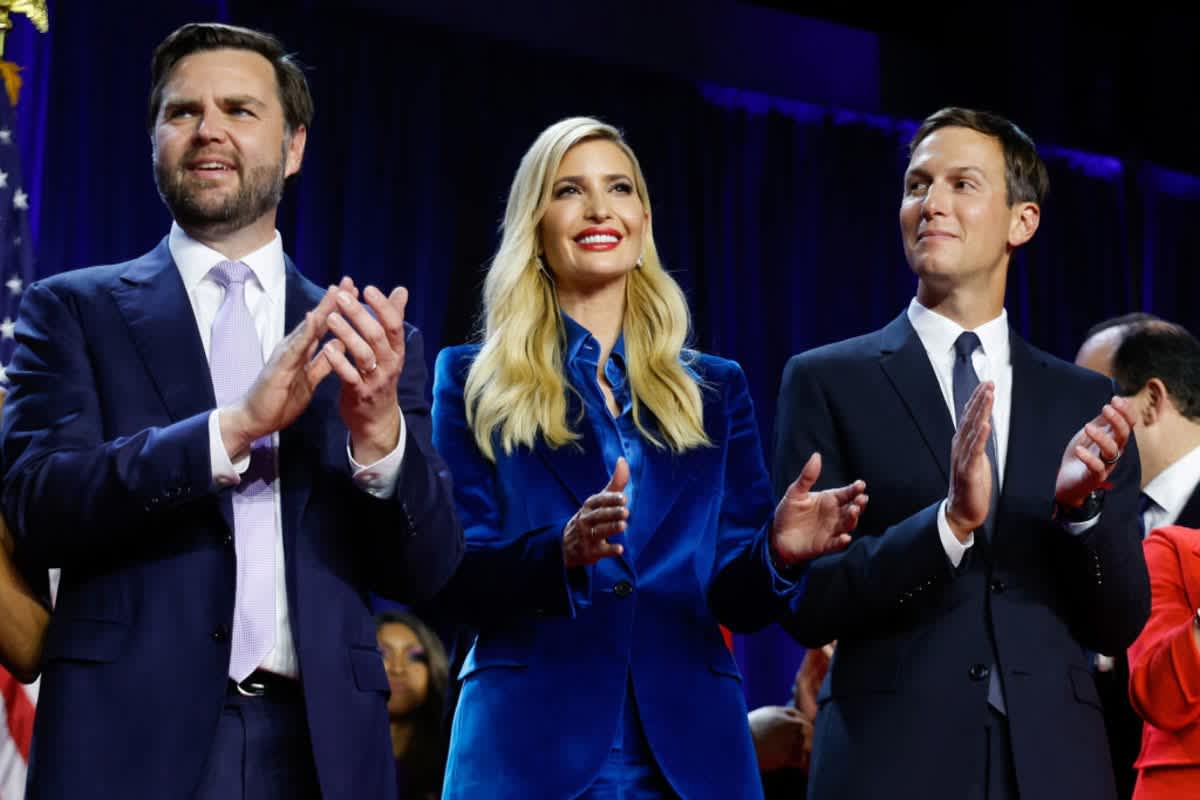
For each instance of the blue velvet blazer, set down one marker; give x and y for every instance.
(544, 683)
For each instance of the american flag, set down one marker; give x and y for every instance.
(16, 271)
(16, 251)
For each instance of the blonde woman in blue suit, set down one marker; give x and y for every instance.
(616, 506)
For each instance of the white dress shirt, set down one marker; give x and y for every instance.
(992, 361)
(265, 297)
(1170, 490)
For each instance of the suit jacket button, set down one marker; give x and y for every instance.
(998, 586)
(220, 633)
(623, 589)
(978, 672)
(227, 539)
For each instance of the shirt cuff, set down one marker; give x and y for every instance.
(955, 550)
(379, 479)
(224, 471)
(783, 579)
(1080, 528)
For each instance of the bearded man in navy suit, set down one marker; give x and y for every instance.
(219, 510)
(990, 559)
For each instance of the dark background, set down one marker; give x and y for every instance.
(773, 144)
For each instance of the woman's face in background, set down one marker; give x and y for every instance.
(407, 667)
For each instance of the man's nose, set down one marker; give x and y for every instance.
(936, 200)
(210, 126)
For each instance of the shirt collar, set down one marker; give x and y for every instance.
(194, 260)
(938, 333)
(580, 338)
(1172, 487)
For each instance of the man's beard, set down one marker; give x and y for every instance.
(259, 191)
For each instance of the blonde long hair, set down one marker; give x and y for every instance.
(516, 390)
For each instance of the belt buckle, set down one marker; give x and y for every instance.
(251, 688)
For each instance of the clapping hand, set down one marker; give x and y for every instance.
(808, 524)
(585, 539)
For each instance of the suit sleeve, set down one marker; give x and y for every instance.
(69, 493)
(502, 573)
(1164, 661)
(1104, 569)
(746, 593)
(415, 566)
(878, 577)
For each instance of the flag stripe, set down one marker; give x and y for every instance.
(17, 270)
(18, 712)
(14, 748)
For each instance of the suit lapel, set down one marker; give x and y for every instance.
(300, 296)
(904, 360)
(1189, 517)
(579, 467)
(1028, 452)
(162, 325)
(662, 480)
(311, 429)
(1191, 574)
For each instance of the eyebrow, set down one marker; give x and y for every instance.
(241, 100)
(616, 176)
(957, 170)
(224, 102)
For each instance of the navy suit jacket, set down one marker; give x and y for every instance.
(903, 707)
(543, 684)
(1189, 517)
(106, 449)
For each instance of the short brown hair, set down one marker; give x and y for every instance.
(197, 36)
(1025, 176)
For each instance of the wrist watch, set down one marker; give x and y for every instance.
(1088, 510)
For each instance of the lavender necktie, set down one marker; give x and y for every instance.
(235, 361)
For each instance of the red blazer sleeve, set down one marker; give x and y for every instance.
(1164, 661)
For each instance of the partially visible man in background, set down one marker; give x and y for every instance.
(1156, 364)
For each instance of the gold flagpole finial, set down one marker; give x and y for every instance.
(34, 9)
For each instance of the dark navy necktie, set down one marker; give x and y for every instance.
(1145, 503)
(964, 380)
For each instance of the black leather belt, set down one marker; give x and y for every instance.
(261, 683)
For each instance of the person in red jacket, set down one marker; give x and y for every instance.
(1164, 667)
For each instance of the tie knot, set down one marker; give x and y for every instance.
(229, 273)
(965, 344)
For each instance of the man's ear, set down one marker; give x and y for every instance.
(1157, 399)
(1025, 219)
(295, 150)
